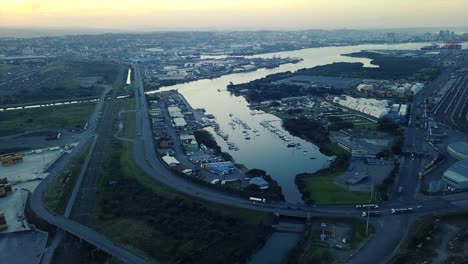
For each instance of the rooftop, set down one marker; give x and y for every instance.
(458, 172)
(461, 147)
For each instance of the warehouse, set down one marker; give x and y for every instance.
(260, 182)
(458, 150)
(179, 122)
(358, 148)
(170, 161)
(457, 175)
(175, 111)
(220, 168)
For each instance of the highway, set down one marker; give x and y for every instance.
(390, 228)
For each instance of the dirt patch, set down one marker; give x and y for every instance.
(442, 240)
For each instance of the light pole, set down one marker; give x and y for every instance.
(21, 189)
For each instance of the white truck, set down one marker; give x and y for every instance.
(359, 206)
(371, 213)
(255, 199)
(401, 210)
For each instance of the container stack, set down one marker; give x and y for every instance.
(10, 159)
(5, 188)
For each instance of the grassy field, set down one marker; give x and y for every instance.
(83, 68)
(70, 117)
(129, 130)
(76, 78)
(322, 189)
(140, 213)
(58, 191)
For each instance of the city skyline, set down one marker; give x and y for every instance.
(230, 14)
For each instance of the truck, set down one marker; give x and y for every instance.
(255, 199)
(371, 213)
(375, 206)
(401, 210)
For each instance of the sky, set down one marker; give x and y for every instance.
(233, 14)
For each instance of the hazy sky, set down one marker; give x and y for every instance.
(232, 14)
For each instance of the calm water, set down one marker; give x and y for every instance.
(267, 151)
(276, 248)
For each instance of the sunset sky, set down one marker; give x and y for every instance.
(232, 14)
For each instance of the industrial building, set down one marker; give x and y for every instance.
(179, 122)
(358, 148)
(170, 161)
(175, 111)
(372, 107)
(189, 142)
(458, 150)
(220, 168)
(260, 182)
(457, 175)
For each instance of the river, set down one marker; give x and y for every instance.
(267, 151)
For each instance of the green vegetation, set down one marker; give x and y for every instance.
(308, 129)
(337, 123)
(204, 137)
(140, 213)
(321, 188)
(58, 191)
(64, 79)
(274, 191)
(385, 188)
(129, 129)
(390, 68)
(70, 117)
(83, 253)
(395, 67)
(310, 249)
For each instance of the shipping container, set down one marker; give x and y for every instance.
(8, 188)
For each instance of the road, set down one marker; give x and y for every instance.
(389, 228)
(70, 226)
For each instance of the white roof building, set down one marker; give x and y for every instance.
(170, 161)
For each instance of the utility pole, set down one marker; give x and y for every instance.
(21, 190)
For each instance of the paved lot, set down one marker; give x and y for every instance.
(31, 167)
(22, 247)
(375, 174)
(37, 139)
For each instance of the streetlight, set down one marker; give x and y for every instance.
(21, 189)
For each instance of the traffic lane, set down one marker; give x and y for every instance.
(389, 233)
